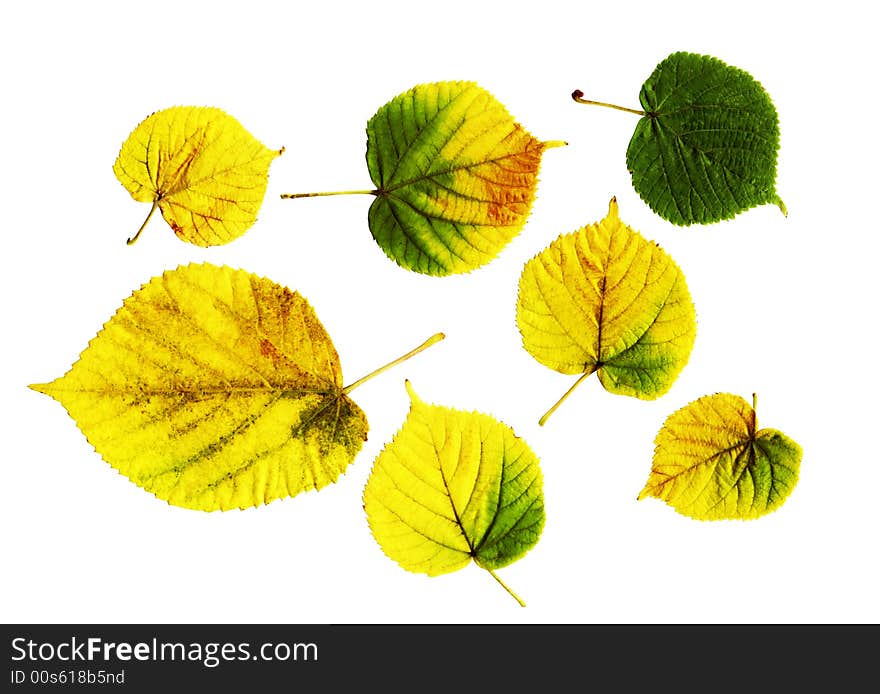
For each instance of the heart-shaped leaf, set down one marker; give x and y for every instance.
(705, 147)
(201, 168)
(213, 388)
(604, 299)
(711, 462)
(454, 177)
(453, 487)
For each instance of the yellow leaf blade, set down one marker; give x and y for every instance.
(203, 170)
(454, 486)
(213, 389)
(605, 299)
(712, 463)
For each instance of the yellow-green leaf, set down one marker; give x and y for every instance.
(454, 175)
(711, 462)
(604, 299)
(453, 487)
(213, 388)
(200, 168)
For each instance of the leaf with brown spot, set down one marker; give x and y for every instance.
(455, 177)
(200, 168)
(213, 388)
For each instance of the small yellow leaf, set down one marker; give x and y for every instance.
(213, 389)
(453, 487)
(201, 168)
(605, 299)
(711, 462)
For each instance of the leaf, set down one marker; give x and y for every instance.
(705, 147)
(711, 462)
(213, 388)
(453, 487)
(201, 168)
(604, 299)
(455, 177)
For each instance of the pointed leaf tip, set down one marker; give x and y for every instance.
(413, 396)
(183, 395)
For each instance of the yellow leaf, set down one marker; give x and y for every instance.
(201, 168)
(711, 462)
(453, 487)
(213, 388)
(604, 299)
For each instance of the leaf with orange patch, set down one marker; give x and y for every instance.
(455, 177)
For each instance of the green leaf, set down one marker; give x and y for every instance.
(705, 147)
(453, 487)
(711, 462)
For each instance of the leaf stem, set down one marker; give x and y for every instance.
(149, 214)
(563, 398)
(427, 343)
(291, 196)
(578, 96)
(506, 587)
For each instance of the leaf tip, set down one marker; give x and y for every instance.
(550, 144)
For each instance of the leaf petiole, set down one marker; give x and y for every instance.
(578, 96)
(563, 398)
(292, 196)
(506, 587)
(427, 343)
(149, 214)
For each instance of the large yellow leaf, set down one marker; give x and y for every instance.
(201, 168)
(213, 388)
(453, 487)
(711, 461)
(604, 299)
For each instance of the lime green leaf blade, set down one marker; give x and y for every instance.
(453, 487)
(706, 148)
(711, 462)
(213, 389)
(455, 177)
(606, 299)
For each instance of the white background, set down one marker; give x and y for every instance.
(787, 308)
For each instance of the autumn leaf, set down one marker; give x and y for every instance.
(705, 147)
(454, 487)
(454, 177)
(213, 388)
(604, 299)
(711, 462)
(200, 168)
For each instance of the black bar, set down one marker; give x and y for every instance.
(751, 658)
